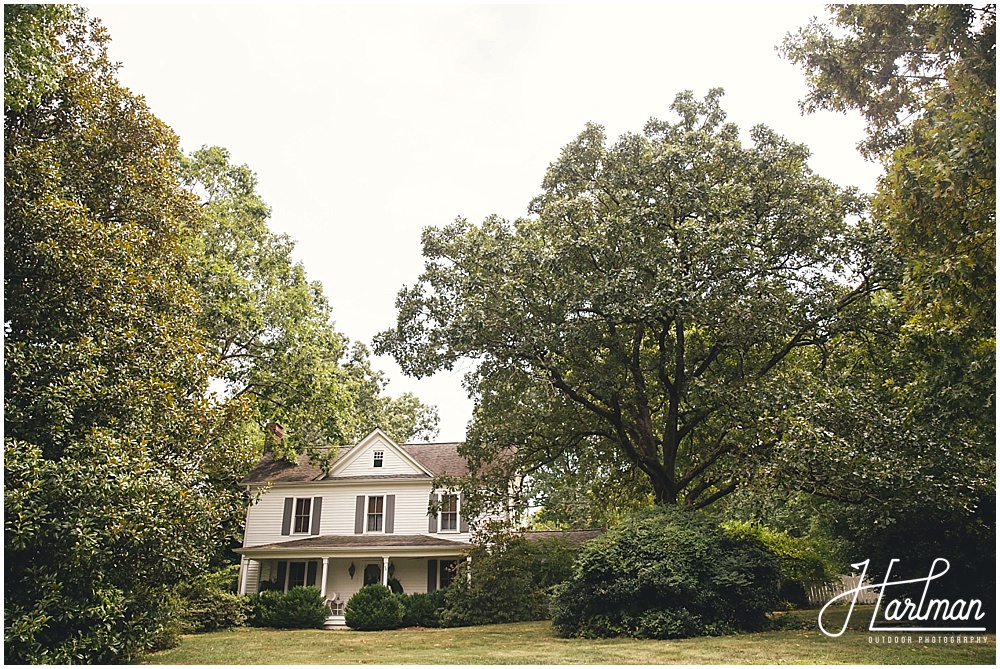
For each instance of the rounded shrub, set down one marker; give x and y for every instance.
(374, 607)
(667, 573)
(422, 609)
(299, 608)
(262, 607)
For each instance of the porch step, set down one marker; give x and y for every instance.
(335, 623)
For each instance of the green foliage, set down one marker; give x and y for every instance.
(642, 320)
(924, 77)
(299, 608)
(263, 606)
(270, 330)
(507, 581)
(802, 560)
(667, 573)
(32, 58)
(579, 493)
(891, 61)
(208, 602)
(112, 488)
(120, 293)
(374, 607)
(422, 609)
(916, 533)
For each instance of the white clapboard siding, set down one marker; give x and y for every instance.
(252, 576)
(339, 504)
(362, 463)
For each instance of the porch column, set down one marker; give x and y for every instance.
(385, 570)
(244, 568)
(468, 571)
(322, 582)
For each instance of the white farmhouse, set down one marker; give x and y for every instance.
(366, 521)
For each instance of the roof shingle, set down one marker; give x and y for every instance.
(439, 459)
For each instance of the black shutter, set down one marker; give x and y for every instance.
(282, 567)
(432, 519)
(317, 514)
(359, 516)
(463, 524)
(432, 575)
(310, 574)
(390, 513)
(286, 519)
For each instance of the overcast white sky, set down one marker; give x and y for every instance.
(366, 124)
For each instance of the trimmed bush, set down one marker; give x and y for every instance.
(663, 574)
(262, 607)
(208, 603)
(374, 607)
(299, 608)
(508, 580)
(422, 609)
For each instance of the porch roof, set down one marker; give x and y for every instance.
(353, 541)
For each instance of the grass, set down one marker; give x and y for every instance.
(534, 643)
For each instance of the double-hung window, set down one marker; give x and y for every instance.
(378, 459)
(296, 574)
(449, 513)
(375, 513)
(303, 515)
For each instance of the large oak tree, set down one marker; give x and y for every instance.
(648, 315)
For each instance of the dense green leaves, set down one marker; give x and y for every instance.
(374, 607)
(643, 317)
(299, 608)
(106, 501)
(892, 62)
(270, 329)
(126, 306)
(507, 579)
(31, 58)
(666, 573)
(924, 77)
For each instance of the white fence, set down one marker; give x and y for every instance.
(821, 593)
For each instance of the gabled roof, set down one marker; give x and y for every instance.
(376, 439)
(438, 459)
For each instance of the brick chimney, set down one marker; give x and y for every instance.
(276, 432)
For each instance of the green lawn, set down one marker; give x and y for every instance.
(534, 643)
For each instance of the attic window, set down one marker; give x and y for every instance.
(379, 456)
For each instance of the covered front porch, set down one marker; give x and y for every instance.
(341, 565)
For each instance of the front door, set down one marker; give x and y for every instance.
(373, 573)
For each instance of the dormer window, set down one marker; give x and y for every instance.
(379, 457)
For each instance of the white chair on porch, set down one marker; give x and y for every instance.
(333, 603)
